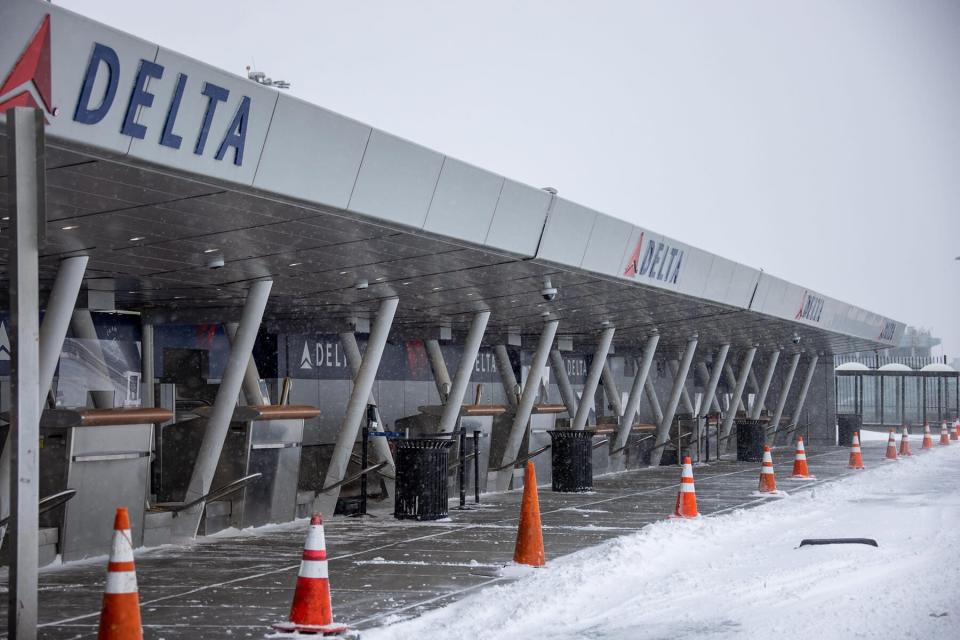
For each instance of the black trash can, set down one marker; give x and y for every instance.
(847, 423)
(421, 488)
(572, 457)
(751, 436)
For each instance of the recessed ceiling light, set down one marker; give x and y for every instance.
(137, 238)
(5, 218)
(469, 294)
(381, 278)
(209, 250)
(405, 283)
(343, 273)
(295, 264)
(436, 288)
(178, 297)
(70, 227)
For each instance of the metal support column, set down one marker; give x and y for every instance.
(610, 389)
(471, 347)
(636, 391)
(684, 394)
(26, 205)
(351, 350)
(761, 402)
(147, 365)
(663, 429)
(707, 403)
(325, 502)
(187, 522)
(736, 402)
(784, 392)
(710, 392)
(440, 374)
(530, 390)
(653, 399)
(740, 385)
(507, 378)
(251, 375)
(567, 394)
(753, 383)
(803, 390)
(593, 379)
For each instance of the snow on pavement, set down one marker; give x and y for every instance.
(742, 574)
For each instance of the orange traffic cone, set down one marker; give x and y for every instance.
(311, 611)
(529, 548)
(944, 435)
(856, 458)
(800, 469)
(120, 615)
(891, 446)
(687, 496)
(927, 438)
(955, 434)
(768, 481)
(905, 442)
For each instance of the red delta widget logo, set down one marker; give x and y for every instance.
(30, 76)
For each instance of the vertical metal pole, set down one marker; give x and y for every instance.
(25, 202)
(325, 502)
(365, 456)
(476, 466)
(507, 377)
(784, 392)
(187, 522)
(458, 388)
(939, 401)
(760, 403)
(923, 384)
(53, 330)
(567, 395)
(610, 389)
(636, 391)
(251, 375)
(530, 389)
(462, 463)
(440, 374)
(593, 378)
(147, 365)
(741, 383)
(880, 380)
(806, 387)
(663, 429)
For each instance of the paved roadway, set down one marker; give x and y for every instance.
(381, 568)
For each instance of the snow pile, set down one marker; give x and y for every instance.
(742, 574)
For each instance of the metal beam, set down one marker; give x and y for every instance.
(356, 406)
(736, 402)
(507, 378)
(760, 403)
(440, 374)
(351, 350)
(653, 399)
(610, 389)
(710, 392)
(740, 384)
(147, 365)
(188, 521)
(709, 401)
(636, 391)
(806, 387)
(756, 387)
(567, 394)
(784, 392)
(25, 203)
(663, 429)
(593, 378)
(251, 375)
(522, 416)
(684, 394)
(471, 347)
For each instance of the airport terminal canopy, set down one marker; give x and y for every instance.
(157, 163)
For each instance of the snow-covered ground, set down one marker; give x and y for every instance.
(742, 574)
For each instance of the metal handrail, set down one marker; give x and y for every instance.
(522, 459)
(633, 444)
(597, 445)
(376, 467)
(48, 503)
(220, 492)
(682, 435)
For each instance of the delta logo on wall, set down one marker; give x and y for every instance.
(657, 261)
(811, 306)
(30, 77)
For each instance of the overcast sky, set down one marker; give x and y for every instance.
(816, 139)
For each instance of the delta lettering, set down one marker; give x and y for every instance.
(106, 59)
(661, 262)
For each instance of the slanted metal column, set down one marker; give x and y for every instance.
(147, 365)
(736, 402)
(507, 377)
(56, 320)
(26, 205)
(741, 384)
(636, 389)
(593, 378)
(84, 329)
(654, 400)
(440, 374)
(471, 347)
(753, 383)
(709, 401)
(784, 392)
(663, 429)
(610, 389)
(806, 387)
(563, 382)
(251, 375)
(325, 502)
(710, 393)
(187, 522)
(530, 390)
(760, 403)
(348, 340)
(684, 394)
